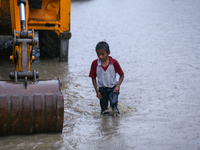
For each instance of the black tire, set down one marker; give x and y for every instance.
(49, 44)
(5, 19)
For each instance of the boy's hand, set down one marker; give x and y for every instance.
(99, 95)
(116, 89)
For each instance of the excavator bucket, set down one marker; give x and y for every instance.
(35, 108)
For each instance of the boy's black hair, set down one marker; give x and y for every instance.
(103, 45)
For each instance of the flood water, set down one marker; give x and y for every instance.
(157, 43)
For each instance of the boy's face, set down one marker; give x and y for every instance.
(102, 54)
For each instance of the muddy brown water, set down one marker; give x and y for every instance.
(157, 43)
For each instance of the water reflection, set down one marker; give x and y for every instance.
(41, 141)
(108, 126)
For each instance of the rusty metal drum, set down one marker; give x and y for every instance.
(37, 108)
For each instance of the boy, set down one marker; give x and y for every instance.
(105, 69)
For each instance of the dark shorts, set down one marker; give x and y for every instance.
(108, 95)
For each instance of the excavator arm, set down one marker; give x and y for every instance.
(28, 105)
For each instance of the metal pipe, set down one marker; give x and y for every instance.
(22, 16)
(28, 41)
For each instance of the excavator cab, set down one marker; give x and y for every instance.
(28, 105)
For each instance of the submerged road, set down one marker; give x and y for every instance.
(157, 44)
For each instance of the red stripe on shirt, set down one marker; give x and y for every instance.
(93, 69)
(105, 68)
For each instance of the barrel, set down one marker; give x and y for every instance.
(26, 112)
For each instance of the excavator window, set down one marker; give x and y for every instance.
(35, 4)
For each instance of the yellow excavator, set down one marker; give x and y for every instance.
(28, 105)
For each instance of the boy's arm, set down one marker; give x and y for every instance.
(116, 89)
(94, 82)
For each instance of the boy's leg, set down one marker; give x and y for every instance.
(113, 97)
(104, 100)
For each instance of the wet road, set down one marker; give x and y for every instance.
(157, 44)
